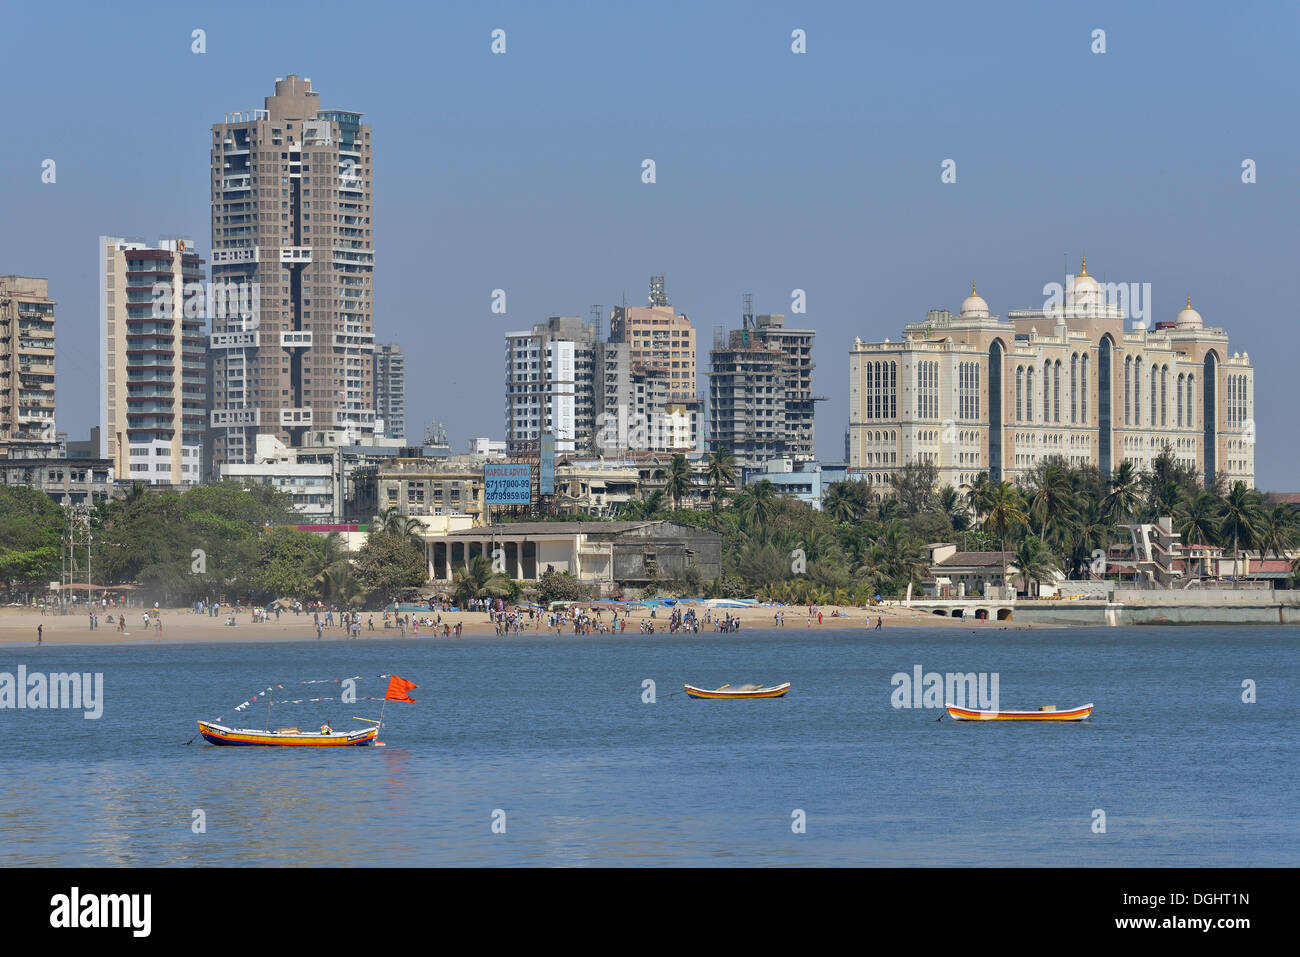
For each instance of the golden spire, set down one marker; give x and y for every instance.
(1189, 302)
(1083, 271)
(972, 287)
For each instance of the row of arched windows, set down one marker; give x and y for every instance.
(880, 390)
(1237, 396)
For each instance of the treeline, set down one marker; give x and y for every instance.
(870, 540)
(223, 542)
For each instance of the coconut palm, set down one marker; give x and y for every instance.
(952, 505)
(841, 504)
(1240, 512)
(1034, 562)
(1005, 515)
(1124, 498)
(1051, 502)
(1275, 530)
(677, 484)
(720, 469)
(978, 496)
(1198, 521)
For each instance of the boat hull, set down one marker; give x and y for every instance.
(776, 691)
(1082, 713)
(244, 737)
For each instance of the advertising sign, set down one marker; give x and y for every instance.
(507, 484)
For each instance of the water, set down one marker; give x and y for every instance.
(553, 732)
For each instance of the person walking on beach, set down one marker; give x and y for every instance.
(40, 633)
(880, 620)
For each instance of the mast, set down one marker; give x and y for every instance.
(270, 696)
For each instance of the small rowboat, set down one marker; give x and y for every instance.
(291, 737)
(745, 691)
(1048, 713)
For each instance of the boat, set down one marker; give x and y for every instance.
(326, 737)
(216, 733)
(744, 691)
(1045, 713)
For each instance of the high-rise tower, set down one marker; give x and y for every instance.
(292, 273)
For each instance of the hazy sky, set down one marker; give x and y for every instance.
(775, 171)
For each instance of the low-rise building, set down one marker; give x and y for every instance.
(68, 481)
(605, 555)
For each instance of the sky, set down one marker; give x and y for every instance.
(774, 170)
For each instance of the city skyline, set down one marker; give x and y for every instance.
(832, 194)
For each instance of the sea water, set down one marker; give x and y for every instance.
(556, 751)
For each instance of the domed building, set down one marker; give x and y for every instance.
(1085, 378)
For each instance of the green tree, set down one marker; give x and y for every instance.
(678, 482)
(388, 563)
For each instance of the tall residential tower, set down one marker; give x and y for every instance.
(26, 367)
(153, 381)
(292, 267)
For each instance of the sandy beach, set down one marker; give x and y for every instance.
(19, 625)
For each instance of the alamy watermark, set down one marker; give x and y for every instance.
(930, 689)
(63, 690)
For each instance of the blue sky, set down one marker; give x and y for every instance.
(775, 171)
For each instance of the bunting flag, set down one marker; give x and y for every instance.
(406, 686)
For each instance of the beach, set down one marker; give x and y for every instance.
(19, 625)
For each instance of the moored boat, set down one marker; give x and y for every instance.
(1047, 713)
(326, 737)
(745, 691)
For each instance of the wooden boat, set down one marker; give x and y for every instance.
(745, 691)
(1047, 713)
(326, 737)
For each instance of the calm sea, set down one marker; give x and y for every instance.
(550, 739)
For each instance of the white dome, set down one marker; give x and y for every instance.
(1084, 291)
(1189, 318)
(974, 306)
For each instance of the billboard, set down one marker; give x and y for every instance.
(546, 479)
(507, 485)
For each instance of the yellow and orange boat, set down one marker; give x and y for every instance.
(1046, 713)
(326, 737)
(744, 691)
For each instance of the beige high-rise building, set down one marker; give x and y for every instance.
(292, 266)
(659, 338)
(26, 367)
(152, 366)
(973, 393)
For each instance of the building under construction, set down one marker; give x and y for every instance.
(761, 403)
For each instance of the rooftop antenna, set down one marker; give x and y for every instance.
(658, 295)
(597, 319)
(747, 313)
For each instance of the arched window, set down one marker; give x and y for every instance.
(1155, 385)
(1074, 387)
(1180, 401)
(1020, 393)
(1191, 401)
(1083, 389)
(893, 390)
(1128, 389)
(1137, 391)
(1164, 395)
(1056, 391)
(1029, 394)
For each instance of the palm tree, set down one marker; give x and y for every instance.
(476, 579)
(1006, 514)
(1052, 501)
(978, 496)
(1198, 521)
(340, 586)
(1240, 512)
(678, 482)
(1124, 498)
(841, 504)
(762, 506)
(1034, 562)
(392, 522)
(1275, 530)
(951, 504)
(720, 469)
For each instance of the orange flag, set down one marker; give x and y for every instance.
(397, 688)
